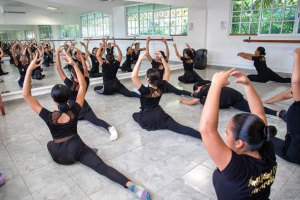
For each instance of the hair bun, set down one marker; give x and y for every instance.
(63, 107)
(269, 132)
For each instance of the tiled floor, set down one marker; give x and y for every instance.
(169, 165)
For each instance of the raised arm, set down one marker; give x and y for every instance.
(166, 66)
(30, 52)
(99, 53)
(119, 52)
(58, 63)
(135, 73)
(85, 70)
(87, 53)
(82, 83)
(13, 51)
(167, 49)
(53, 46)
(147, 49)
(189, 47)
(189, 102)
(33, 103)
(296, 75)
(217, 149)
(176, 51)
(245, 55)
(1, 53)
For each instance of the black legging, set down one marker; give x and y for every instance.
(95, 75)
(181, 129)
(91, 117)
(115, 86)
(243, 105)
(272, 76)
(171, 89)
(75, 149)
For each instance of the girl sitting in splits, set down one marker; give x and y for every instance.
(126, 66)
(265, 74)
(189, 76)
(157, 64)
(86, 112)
(229, 98)
(67, 146)
(111, 83)
(289, 149)
(152, 117)
(246, 160)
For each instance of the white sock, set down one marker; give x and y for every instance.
(113, 133)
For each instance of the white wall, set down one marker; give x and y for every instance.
(222, 49)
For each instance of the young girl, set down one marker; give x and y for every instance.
(246, 162)
(265, 74)
(67, 146)
(126, 66)
(152, 117)
(21, 64)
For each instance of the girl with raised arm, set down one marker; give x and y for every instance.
(157, 64)
(110, 66)
(189, 76)
(136, 52)
(289, 149)
(21, 64)
(152, 117)
(246, 162)
(67, 147)
(126, 66)
(265, 74)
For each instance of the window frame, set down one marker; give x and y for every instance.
(50, 33)
(105, 27)
(69, 29)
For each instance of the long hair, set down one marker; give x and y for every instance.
(61, 95)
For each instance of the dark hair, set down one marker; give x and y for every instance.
(189, 53)
(61, 94)
(198, 84)
(110, 57)
(154, 77)
(252, 130)
(136, 43)
(163, 54)
(94, 49)
(262, 51)
(127, 49)
(73, 71)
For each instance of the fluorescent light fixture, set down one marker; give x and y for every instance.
(51, 8)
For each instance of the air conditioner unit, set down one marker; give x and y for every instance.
(13, 9)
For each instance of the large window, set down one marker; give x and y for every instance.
(45, 31)
(69, 31)
(264, 17)
(157, 19)
(11, 35)
(29, 34)
(94, 24)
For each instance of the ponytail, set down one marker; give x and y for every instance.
(63, 107)
(269, 133)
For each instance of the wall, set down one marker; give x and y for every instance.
(222, 49)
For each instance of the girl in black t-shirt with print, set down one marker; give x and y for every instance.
(152, 117)
(189, 76)
(246, 162)
(265, 74)
(67, 146)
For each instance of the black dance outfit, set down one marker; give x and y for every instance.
(190, 76)
(169, 88)
(110, 50)
(47, 59)
(1, 70)
(22, 72)
(135, 56)
(265, 74)
(86, 112)
(111, 83)
(229, 98)
(74, 149)
(246, 177)
(152, 117)
(94, 72)
(289, 149)
(126, 66)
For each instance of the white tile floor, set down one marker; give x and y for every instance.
(169, 165)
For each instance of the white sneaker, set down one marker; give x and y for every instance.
(113, 133)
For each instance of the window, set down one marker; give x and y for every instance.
(3, 36)
(11, 35)
(45, 31)
(264, 17)
(29, 34)
(94, 24)
(157, 19)
(69, 31)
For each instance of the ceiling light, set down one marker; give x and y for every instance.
(51, 8)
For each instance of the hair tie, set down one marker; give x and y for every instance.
(266, 132)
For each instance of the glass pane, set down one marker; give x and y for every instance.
(276, 28)
(235, 29)
(131, 9)
(246, 5)
(83, 17)
(145, 7)
(184, 20)
(173, 32)
(289, 13)
(178, 21)
(185, 11)
(279, 3)
(254, 28)
(266, 15)
(237, 5)
(267, 4)
(98, 15)
(184, 30)
(255, 16)
(299, 28)
(173, 21)
(91, 16)
(173, 13)
(291, 2)
(246, 16)
(256, 4)
(160, 6)
(277, 14)
(265, 28)
(178, 12)
(287, 27)
(244, 28)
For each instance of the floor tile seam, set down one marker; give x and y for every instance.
(26, 187)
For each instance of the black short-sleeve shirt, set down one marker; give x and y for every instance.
(148, 102)
(95, 64)
(246, 177)
(109, 71)
(186, 65)
(156, 65)
(260, 64)
(22, 69)
(61, 130)
(72, 86)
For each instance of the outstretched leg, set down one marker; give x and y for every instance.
(171, 89)
(123, 90)
(91, 117)
(178, 128)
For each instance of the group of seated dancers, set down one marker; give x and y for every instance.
(246, 162)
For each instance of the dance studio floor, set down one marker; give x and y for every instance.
(169, 165)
